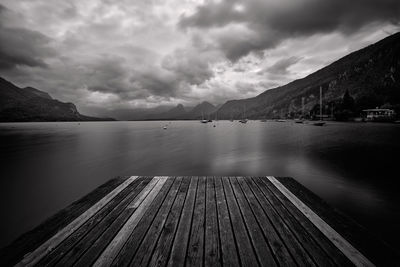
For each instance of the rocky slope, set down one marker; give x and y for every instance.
(371, 75)
(30, 104)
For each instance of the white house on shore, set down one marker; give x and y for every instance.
(379, 114)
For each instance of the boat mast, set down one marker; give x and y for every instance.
(320, 103)
(302, 107)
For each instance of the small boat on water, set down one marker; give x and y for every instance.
(202, 118)
(243, 121)
(165, 127)
(281, 120)
(298, 121)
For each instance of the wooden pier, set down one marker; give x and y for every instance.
(198, 221)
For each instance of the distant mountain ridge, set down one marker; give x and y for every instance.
(371, 75)
(31, 104)
(180, 112)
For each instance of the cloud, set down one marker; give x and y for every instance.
(105, 54)
(22, 47)
(190, 65)
(261, 24)
(281, 66)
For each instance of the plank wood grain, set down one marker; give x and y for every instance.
(343, 245)
(229, 249)
(70, 246)
(196, 221)
(245, 249)
(296, 249)
(145, 251)
(161, 252)
(135, 238)
(195, 250)
(277, 245)
(181, 240)
(95, 239)
(144, 200)
(212, 255)
(260, 244)
(32, 258)
(331, 252)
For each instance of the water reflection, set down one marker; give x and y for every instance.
(46, 166)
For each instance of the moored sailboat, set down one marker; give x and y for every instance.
(320, 122)
(243, 120)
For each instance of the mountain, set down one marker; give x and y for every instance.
(180, 112)
(30, 104)
(176, 113)
(203, 109)
(370, 75)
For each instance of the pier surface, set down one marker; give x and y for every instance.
(198, 221)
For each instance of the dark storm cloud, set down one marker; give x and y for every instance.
(22, 47)
(188, 66)
(270, 22)
(157, 83)
(115, 75)
(107, 75)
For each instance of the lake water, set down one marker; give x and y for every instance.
(46, 166)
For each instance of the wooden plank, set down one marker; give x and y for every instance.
(53, 242)
(145, 198)
(365, 241)
(145, 251)
(207, 221)
(246, 253)
(212, 255)
(101, 243)
(260, 244)
(181, 240)
(281, 253)
(314, 250)
(296, 249)
(62, 250)
(29, 241)
(331, 252)
(134, 240)
(227, 238)
(115, 217)
(343, 245)
(195, 251)
(162, 250)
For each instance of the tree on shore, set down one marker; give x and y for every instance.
(346, 109)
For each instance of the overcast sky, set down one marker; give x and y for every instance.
(143, 53)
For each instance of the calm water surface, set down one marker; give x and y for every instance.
(46, 166)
